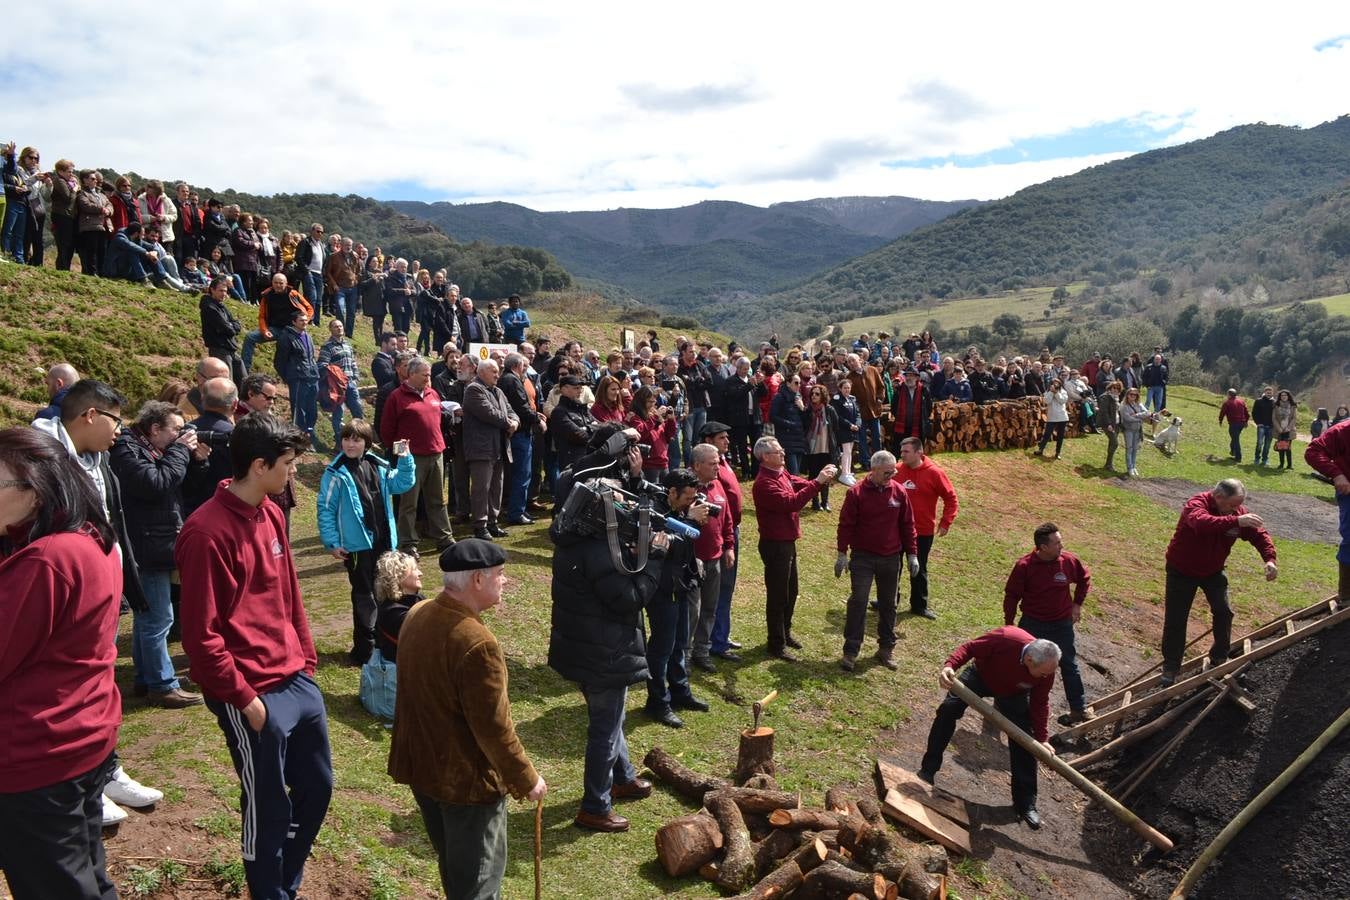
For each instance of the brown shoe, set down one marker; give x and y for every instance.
(848, 662)
(884, 657)
(785, 655)
(609, 822)
(637, 789)
(175, 699)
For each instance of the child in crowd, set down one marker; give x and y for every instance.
(193, 275)
(398, 586)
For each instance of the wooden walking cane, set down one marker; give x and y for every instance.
(539, 848)
(1032, 746)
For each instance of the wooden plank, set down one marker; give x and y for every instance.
(1273, 627)
(1190, 684)
(895, 777)
(1246, 646)
(1289, 627)
(933, 825)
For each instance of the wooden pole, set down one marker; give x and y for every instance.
(1034, 747)
(1249, 812)
(1136, 778)
(539, 848)
(1131, 738)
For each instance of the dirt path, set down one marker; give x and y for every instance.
(1295, 516)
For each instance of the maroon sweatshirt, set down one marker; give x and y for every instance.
(244, 627)
(732, 487)
(1203, 539)
(1043, 587)
(58, 648)
(877, 520)
(998, 659)
(1329, 452)
(413, 417)
(779, 497)
(718, 533)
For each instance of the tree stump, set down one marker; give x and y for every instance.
(755, 756)
(684, 844)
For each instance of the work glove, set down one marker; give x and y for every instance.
(840, 564)
(913, 565)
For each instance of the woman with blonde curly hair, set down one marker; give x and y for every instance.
(398, 587)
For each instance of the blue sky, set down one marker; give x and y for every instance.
(594, 105)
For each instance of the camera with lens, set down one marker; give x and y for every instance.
(216, 440)
(714, 509)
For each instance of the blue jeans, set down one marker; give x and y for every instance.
(16, 223)
(251, 341)
(793, 462)
(522, 464)
(1264, 436)
(869, 441)
(668, 672)
(305, 405)
(1132, 441)
(353, 402)
(606, 748)
(314, 293)
(1343, 506)
(1235, 440)
(149, 635)
(1061, 633)
(1155, 397)
(721, 631)
(344, 303)
(692, 426)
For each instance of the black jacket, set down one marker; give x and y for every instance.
(571, 424)
(484, 336)
(514, 388)
(132, 591)
(219, 326)
(152, 497)
(1263, 411)
(698, 382)
(204, 476)
(983, 387)
(597, 636)
(738, 411)
(382, 368)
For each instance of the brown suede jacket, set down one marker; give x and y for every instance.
(454, 739)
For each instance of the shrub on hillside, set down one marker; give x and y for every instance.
(1118, 338)
(680, 322)
(1185, 367)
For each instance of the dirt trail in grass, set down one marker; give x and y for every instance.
(1294, 516)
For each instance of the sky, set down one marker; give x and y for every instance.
(587, 105)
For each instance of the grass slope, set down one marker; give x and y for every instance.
(1032, 304)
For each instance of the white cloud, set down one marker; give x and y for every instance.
(594, 105)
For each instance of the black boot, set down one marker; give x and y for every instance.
(1343, 588)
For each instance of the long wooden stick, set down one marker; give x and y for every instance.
(1130, 738)
(1158, 665)
(1127, 787)
(1034, 747)
(539, 849)
(1249, 811)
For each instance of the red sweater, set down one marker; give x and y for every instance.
(778, 498)
(1234, 410)
(1329, 452)
(416, 419)
(1203, 539)
(876, 520)
(244, 627)
(718, 533)
(926, 485)
(603, 413)
(735, 500)
(656, 434)
(1043, 587)
(58, 648)
(998, 659)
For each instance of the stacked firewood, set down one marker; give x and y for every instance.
(760, 842)
(1000, 425)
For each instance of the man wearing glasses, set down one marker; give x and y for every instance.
(309, 259)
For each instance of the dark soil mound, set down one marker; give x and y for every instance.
(1299, 845)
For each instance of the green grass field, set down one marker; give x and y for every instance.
(1336, 305)
(1031, 304)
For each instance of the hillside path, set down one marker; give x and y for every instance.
(1293, 516)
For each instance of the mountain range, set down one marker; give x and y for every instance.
(683, 257)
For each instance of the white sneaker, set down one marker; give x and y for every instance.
(112, 813)
(127, 790)
(847, 479)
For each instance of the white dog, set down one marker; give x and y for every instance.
(1167, 439)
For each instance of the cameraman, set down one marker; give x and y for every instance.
(597, 641)
(668, 612)
(213, 428)
(603, 461)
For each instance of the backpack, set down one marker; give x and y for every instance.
(334, 388)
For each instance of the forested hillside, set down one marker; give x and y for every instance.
(481, 269)
(683, 256)
(1171, 209)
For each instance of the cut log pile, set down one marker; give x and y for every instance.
(759, 842)
(1002, 425)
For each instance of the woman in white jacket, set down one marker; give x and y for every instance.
(1133, 415)
(1056, 416)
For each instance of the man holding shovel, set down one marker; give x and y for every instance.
(1017, 670)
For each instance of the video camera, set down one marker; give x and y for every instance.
(594, 505)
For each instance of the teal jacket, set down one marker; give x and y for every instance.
(341, 524)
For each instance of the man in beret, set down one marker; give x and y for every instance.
(454, 741)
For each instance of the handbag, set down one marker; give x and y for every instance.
(1282, 445)
(379, 686)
